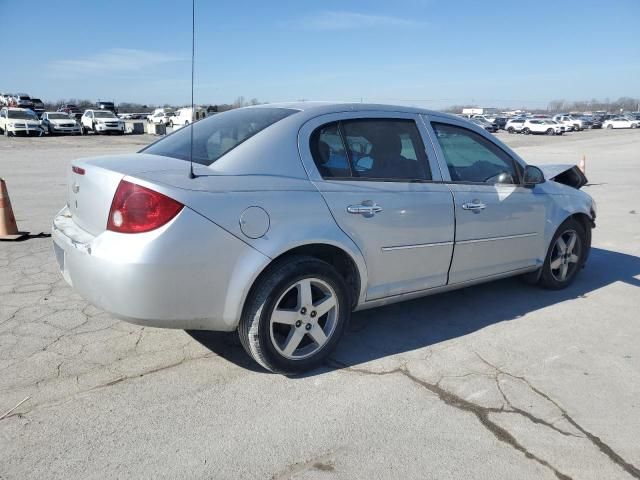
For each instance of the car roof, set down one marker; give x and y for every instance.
(315, 108)
(312, 109)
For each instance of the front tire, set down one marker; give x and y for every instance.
(566, 255)
(511, 130)
(550, 131)
(610, 127)
(295, 315)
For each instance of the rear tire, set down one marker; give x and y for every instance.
(511, 130)
(526, 131)
(295, 315)
(610, 127)
(566, 256)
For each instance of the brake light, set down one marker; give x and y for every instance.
(78, 170)
(137, 209)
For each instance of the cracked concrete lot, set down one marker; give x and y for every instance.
(502, 380)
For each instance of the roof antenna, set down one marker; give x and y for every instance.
(193, 54)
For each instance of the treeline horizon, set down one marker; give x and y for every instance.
(556, 106)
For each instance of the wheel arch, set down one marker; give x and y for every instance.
(348, 267)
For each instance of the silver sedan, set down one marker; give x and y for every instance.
(280, 220)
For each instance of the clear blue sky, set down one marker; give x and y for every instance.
(419, 52)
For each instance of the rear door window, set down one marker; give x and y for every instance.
(376, 148)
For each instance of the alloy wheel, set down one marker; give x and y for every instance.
(566, 254)
(304, 318)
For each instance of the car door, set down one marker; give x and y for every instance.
(499, 223)
(382, 186)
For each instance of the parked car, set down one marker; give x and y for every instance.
(486, 118)
(595, 122)
(298, 214)
(620, 122)
(101, 121)
(20, 100)
(100, 105)
(515, 125)
(19, 121)
(540, 125)
(500, 122)
(185, 116)
(489, 127)
(553, 122)
(160, 116)
(4, 99)
(58, 123)
(38, 106)
(570, 123)
(71, 110)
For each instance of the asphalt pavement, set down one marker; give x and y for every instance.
(497, 381)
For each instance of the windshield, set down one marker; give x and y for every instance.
(214, 136)
(104, 115)
(22, 115)
(58, 116)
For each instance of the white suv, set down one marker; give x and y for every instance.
(14, 121)
(541, 125)
(160, 116)
(101, 121)
(569, 122)
(515, 125)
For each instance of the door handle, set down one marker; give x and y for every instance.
(366, 208)
(476, 206)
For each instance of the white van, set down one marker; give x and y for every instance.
(185, 116)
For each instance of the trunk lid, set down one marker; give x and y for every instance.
(92, 183)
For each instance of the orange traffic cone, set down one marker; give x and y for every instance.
(8, 226)
(583, 165)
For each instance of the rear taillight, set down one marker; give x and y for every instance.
(137, 209)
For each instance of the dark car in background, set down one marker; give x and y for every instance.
(110, 106)
(587, 122)
(71, 110)
(500, 122)
(489, 127)
(38, 106)
(596, 122)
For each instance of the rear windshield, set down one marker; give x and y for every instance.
(214, 136)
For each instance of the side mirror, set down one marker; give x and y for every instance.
(532, 176)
